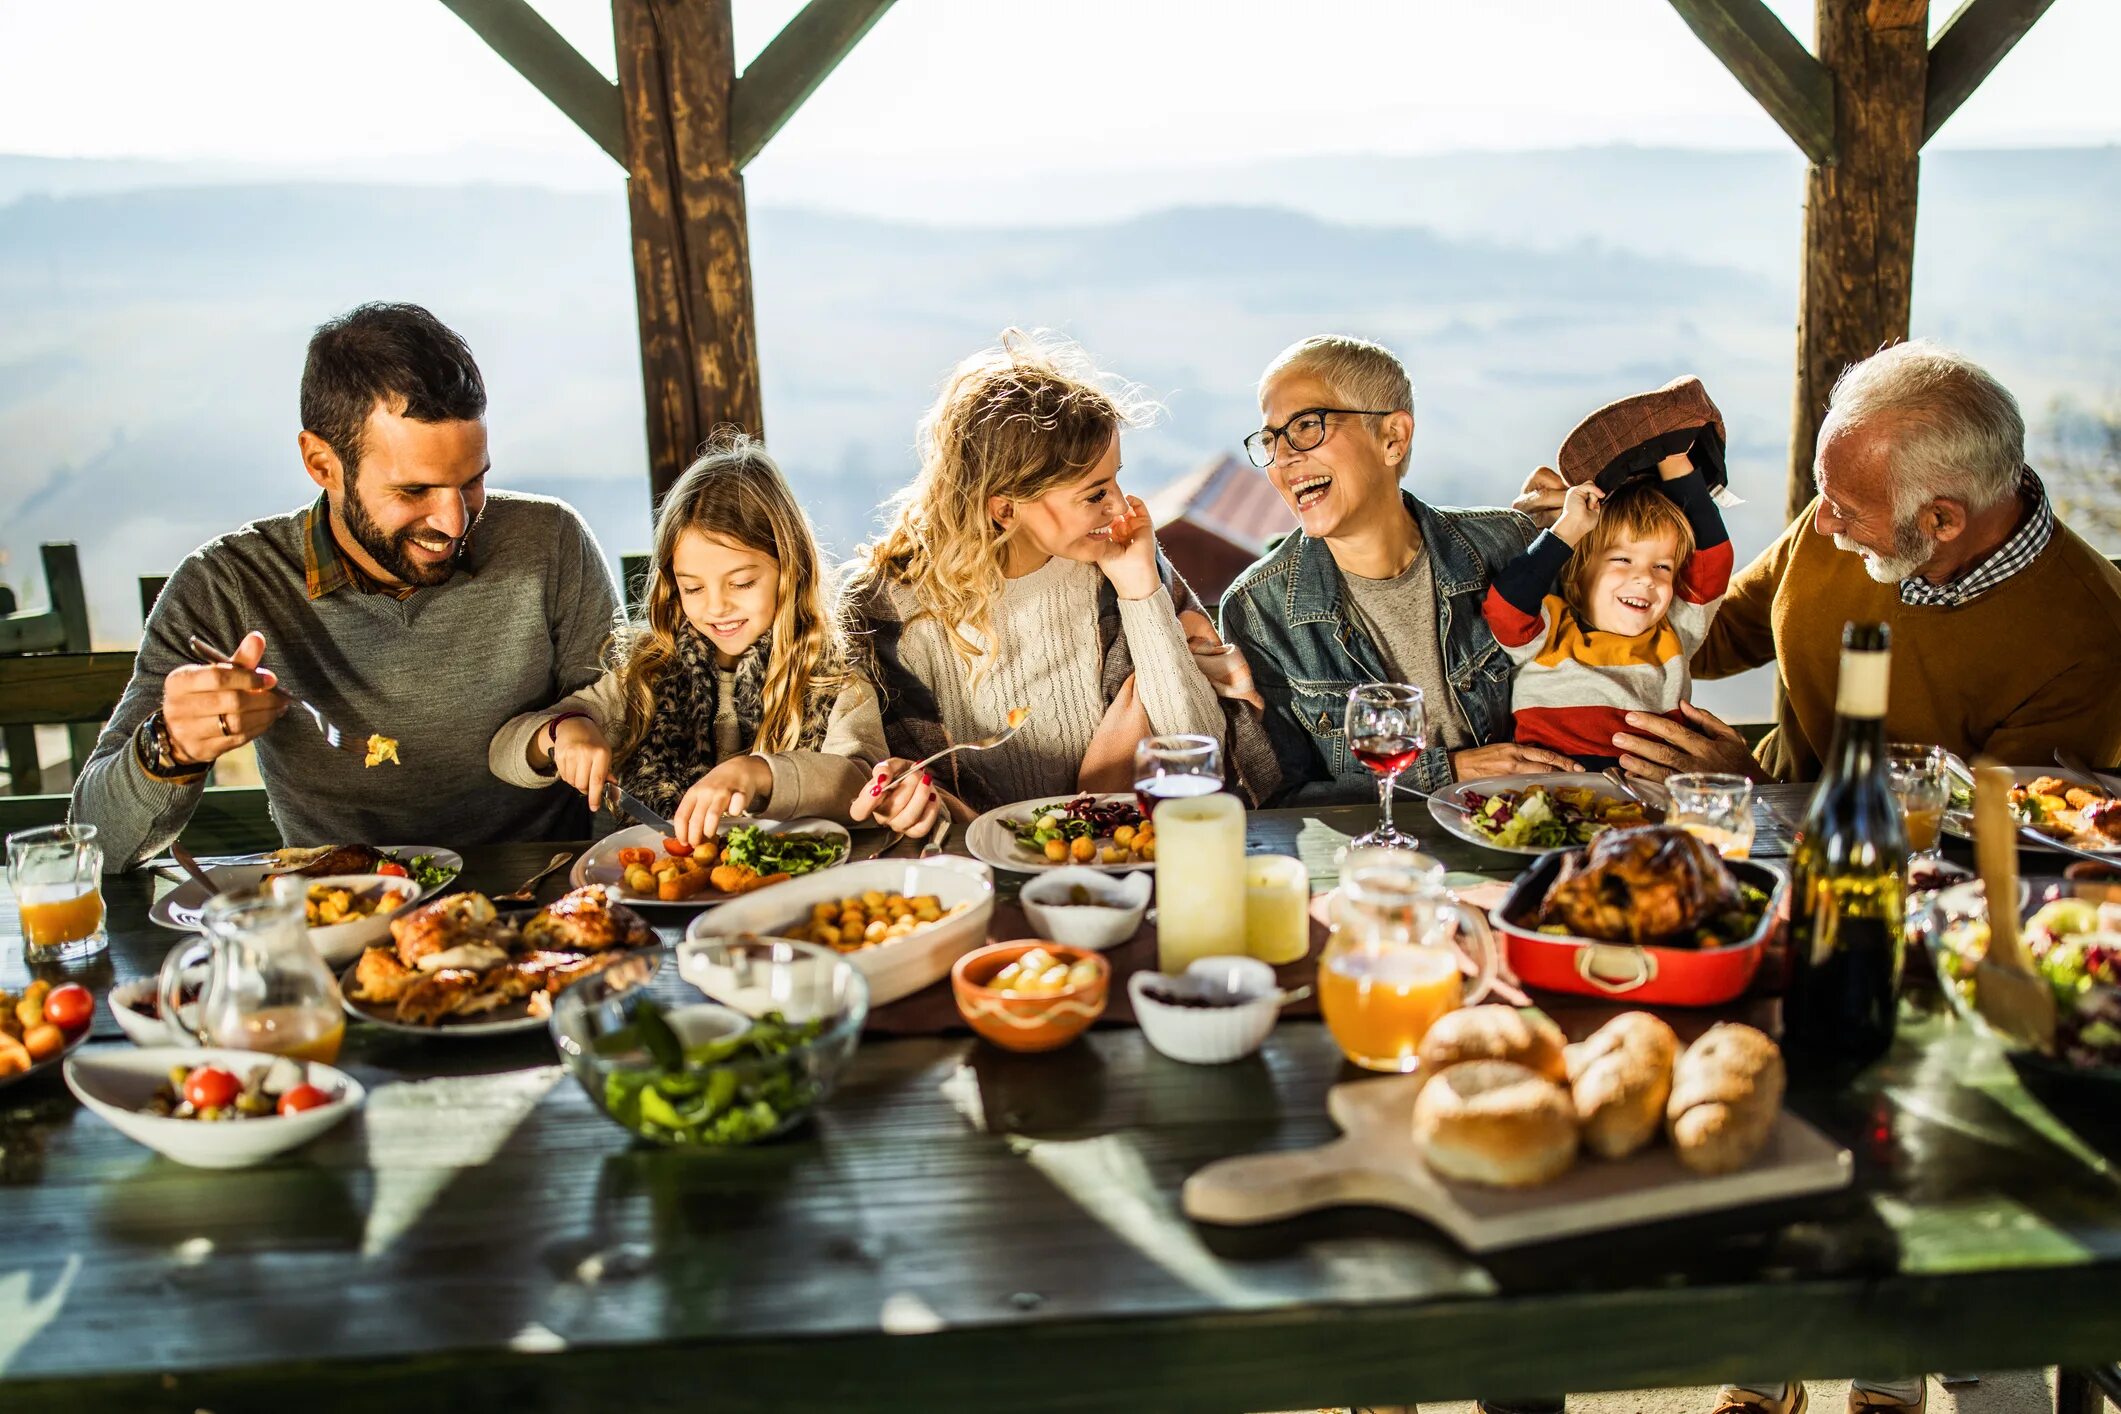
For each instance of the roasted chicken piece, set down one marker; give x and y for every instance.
(550, 971)
(1641, 886)
(443, 924)
(581, 921)
(380, 977)
(316, 861)
(458, 991)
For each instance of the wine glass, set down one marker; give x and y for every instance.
(1174, 768)
(1386, 731)
(1921, 785)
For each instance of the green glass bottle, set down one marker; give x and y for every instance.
(1848, 872)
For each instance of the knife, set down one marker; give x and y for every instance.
(625, 802)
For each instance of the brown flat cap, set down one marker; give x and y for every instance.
(1626, 438)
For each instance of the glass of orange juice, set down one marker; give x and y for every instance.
(266, 988)
(1716, 807)
(56, 876)
(1397, 959)
(1923, 788)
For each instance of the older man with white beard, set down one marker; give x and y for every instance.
(2006, 626)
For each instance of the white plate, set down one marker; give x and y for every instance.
(180, 907)
(1455, 820)
(115, 1082)
(1960, 823)
(992, 841)
(50, 1062)
(895, 969)
(599, 864)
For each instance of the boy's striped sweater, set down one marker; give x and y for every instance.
(1576, 684)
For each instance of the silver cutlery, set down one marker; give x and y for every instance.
(529, 891)
(935, 841)
(625, 802)
(1017, 717)
(334, 737)
(191, 867)
(2075, 763)
(1461, 808)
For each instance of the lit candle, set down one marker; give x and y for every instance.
(1277, 908)
(1200, 879)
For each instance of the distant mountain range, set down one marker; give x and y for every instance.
(152, 321)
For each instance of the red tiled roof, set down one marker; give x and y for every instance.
(1228, 499)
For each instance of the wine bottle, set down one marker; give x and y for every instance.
(1847, 878)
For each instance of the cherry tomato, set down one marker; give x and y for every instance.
(211, 1088)
(391, 866)
(302, 1097)
(678, 848)
(70, 1008)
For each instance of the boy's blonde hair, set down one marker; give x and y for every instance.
(735, 493)
(1028, 416)
(1637, 511)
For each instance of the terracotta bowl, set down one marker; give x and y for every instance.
(1028, 1023)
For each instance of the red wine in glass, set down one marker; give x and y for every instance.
(1386, 755)
(1151, 789)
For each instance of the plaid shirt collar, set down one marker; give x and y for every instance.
(327, 569)
(2013, 555)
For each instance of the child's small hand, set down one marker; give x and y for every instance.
(1579, 512)
(726, 790)
(582, 758)
(1673, 467)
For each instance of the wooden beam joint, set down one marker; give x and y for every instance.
(789, 70)
(1770, 63)
(555, 68)
(1967, 50)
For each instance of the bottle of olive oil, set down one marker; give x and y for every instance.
(1848, 870)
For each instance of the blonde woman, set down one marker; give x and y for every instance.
(737, 692)
(1017, 573)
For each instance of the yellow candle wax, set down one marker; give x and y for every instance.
(1200, 879)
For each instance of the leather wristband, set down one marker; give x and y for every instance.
(552, 727)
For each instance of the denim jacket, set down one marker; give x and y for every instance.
(1287, 613)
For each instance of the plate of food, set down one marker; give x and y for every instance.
(1104, 832)
(650, 868)
(1537, 813)
(430, 867)
(2072, 931)
(41, 1026)
(2050, 806)
(460, 967)
(216, 1109)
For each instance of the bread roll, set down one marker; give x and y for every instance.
(1495, 1122)
(1496, 1033)
(1726, 1096)
(1620, 1078)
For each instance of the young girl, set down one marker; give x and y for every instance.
(1650, 564)
(737, 693)
(1016, 573)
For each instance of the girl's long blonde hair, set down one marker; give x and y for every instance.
(736, 493)
(1018, 420)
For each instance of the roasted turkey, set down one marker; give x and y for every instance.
(1643, 885)
(582, 921)
(443, 924)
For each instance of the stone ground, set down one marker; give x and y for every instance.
(2018, 1392)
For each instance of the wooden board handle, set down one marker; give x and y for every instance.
(1263, 1188)
(1996, 857)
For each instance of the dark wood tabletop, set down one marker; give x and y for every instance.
(964, 1229)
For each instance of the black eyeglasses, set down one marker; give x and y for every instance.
(1300, 433)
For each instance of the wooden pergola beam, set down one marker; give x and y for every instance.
(555, 68)
(1770, 63)
(1967, 50)
(789, 70)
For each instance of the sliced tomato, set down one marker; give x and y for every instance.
(676, 847)
(636, 854)
(211, 1088)
(303, 1097)
(70, 1008)
(391, 866)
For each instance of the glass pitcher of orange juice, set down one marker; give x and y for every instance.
(1397, 958)
(266, 989)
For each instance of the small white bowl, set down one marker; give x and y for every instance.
(1122, 901)
(340, 943)
(140, 1028)
(1209, 1035)
(115, 1083)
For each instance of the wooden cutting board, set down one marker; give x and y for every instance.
(1376, 1162)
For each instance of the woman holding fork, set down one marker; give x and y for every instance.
(1017, 574)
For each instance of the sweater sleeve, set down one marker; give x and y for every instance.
(824, 782)
(508, 755)
(1742, 637)
(1178, 696)
(582, 605)
(1708, 570)
(137, 815)
(1515, 607)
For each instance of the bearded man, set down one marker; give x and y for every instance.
(406, 601)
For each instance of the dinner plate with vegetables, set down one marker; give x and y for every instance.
(1535, 813)
(1106, 832)
(650, 868)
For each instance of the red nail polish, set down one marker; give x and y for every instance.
(926, 779)
(878, 788)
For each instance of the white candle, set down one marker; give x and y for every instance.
(1200, 879)
(1277, 908)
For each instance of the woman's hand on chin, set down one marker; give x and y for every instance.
(1128, 555)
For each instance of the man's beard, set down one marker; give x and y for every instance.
(389, 551)
(1911, 551)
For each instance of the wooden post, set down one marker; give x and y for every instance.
(691, 249)
(1859, 213)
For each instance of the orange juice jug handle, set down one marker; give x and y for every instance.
(169, 987)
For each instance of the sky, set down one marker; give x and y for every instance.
(398, 85)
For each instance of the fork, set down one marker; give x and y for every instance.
(529, 892)
(1017, 717)
(336, 739)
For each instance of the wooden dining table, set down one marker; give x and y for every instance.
(961, 1228)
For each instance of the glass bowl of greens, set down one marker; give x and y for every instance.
(742, 1061)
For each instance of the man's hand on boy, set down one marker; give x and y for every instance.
(1579, 512)
(1664, 746)
(1541, 497)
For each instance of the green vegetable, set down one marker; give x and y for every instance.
(696, 1095)
(423, 870)
(753, 848)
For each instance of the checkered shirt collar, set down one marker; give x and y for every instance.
(2013, 555)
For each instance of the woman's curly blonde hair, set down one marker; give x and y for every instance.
(736, 493)
(1025, 417)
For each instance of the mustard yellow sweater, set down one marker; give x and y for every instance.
(2032, 665)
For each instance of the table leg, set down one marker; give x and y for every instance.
(2086, 1391)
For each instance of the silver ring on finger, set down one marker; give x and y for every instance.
(226, 729)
